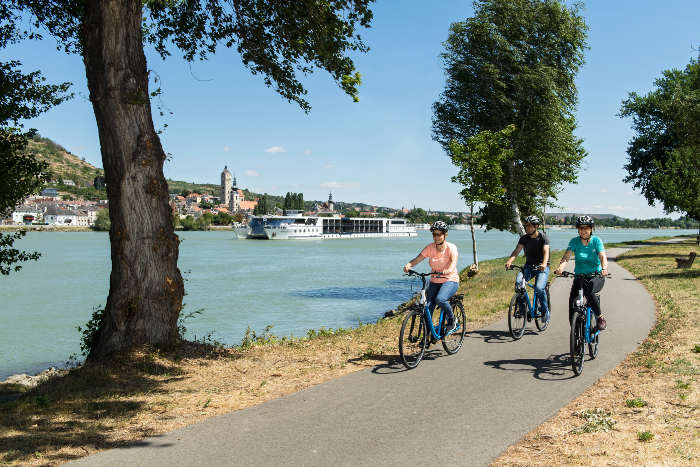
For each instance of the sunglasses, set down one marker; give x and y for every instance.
(437, 234)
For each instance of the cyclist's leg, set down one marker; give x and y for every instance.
(442, 298)
(575, 285)
(540, 284)
(594, 285)
(430, 293)
(591, 286)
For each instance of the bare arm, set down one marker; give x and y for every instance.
(603, 262)
(413, 262)
(545, 257)
(513, 255)
(562, 263)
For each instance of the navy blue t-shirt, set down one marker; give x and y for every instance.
(534, 248)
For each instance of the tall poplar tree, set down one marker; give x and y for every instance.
(514, 63)
(275, 39)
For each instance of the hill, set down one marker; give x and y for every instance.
(63, 164)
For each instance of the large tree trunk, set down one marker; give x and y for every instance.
(146, 288)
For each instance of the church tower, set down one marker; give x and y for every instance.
(225, 186)
(330, 202)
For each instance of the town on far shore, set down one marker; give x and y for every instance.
(227, 205)
(60, 207)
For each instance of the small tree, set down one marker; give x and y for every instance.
(480, 164)
(102, 223)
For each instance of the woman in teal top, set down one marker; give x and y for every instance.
(589, 253)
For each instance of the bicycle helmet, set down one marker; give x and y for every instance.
(532, 220)
(585, 220)
(438, 225)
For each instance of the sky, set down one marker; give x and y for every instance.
(379, 151)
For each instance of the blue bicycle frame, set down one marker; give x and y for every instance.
(531, 308)
(587, 334)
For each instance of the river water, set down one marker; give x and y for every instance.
(293, 285)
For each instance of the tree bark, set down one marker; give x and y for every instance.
(515, 210)
(146, 288)
(471, 223)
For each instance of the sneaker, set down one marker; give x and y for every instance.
(450, 326)
(601, 324)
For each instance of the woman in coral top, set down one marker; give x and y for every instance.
(442, 256)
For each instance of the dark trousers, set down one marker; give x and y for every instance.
(591, 287)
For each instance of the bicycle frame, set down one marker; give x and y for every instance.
(531, 307)
(427, 315)
(587, 330)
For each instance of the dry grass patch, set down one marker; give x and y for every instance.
(646, 409)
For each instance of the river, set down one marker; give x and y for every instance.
(293, 285)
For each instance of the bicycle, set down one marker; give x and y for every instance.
(418, 330)
(521, 310)
(582, 322)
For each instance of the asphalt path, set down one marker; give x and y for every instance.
(464, 409)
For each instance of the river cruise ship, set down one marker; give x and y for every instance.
(296, 226)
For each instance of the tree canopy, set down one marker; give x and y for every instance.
(664, 155)
(280, 41)
(514, 63)
(22, 96)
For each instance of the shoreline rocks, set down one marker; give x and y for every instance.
(31, 381)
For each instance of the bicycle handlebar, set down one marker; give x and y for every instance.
(571, 274)
(411, 272)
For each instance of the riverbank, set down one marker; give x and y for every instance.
(45, 228)
(146, 393)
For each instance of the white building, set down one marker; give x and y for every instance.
(226, 184)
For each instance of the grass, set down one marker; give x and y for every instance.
(651, 395)
(147, 392)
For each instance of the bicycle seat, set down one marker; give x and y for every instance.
(456, 298)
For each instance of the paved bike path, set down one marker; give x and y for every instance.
(453, 410)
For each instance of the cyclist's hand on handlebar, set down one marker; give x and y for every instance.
(558, 271)
(406, 267)
(508, 266)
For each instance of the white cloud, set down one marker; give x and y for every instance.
(275, 149)
(252, 173)
(616, 208)
(227, 148)
(339, 184)
(307, 151)
(329, 166)
(603, 190)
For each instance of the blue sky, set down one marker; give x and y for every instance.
(379, 151)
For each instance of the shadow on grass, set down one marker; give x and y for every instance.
(678, 274)
(84, 408)
(553, 368)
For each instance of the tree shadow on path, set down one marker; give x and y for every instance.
(552, 368)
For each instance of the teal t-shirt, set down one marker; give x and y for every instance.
(587, 260)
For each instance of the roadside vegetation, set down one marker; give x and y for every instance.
(146, 392)
(645, 411)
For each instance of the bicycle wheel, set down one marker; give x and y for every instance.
(413, 339)
(577, 342)
(516, 317)
(453, 341)
(543, 321)
(593, 346)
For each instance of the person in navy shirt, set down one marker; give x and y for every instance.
(536, 245)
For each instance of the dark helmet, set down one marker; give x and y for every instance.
(585, 220)
(532, 220)
(438, 225)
